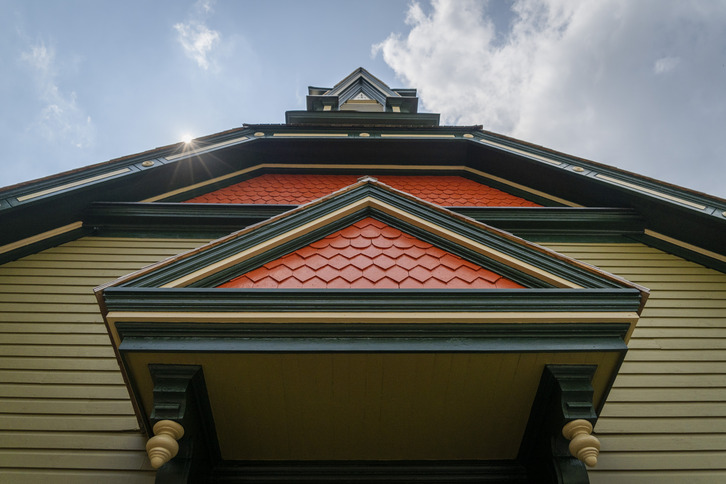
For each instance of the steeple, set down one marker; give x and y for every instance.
(361, 99)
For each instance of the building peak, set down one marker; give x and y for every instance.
(371, 99)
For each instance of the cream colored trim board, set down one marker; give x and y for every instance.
(650, 192)
(310, 135)
(522, 187)
(71, 185)
(384, 207)
(686, 245)
(414, 135)
(373, 317)
(42, 236)
(204, 149)
(522, 152)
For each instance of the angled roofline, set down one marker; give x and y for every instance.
(39, 209)
(555, 270)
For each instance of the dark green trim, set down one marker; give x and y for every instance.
(401, 472)
(210, 219)
(371, 300)
(565, 393)
(180, 394)
(687, 254)
(371, 338)
(361, 120)
(43, 244)
(180, 219)
(557, 221)
(414, 207)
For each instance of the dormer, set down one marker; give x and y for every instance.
(362, 99)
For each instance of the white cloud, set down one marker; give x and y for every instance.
(578, 77)
(665, 64)
(195, 37)
(61, 119)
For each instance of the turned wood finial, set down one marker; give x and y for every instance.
(163, 446)
(583, 445)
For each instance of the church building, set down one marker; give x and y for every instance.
(361, 295)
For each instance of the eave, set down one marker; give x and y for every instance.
(677, 219)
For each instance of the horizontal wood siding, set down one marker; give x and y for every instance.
(65, 414)
(665, 419)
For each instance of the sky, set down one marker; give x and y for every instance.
(640, 85)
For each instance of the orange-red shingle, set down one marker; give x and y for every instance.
(295, 189)
(371, 254)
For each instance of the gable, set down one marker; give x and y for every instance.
(370, 254)
(303, 188)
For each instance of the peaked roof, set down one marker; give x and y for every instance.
(303, 188)
(371, 254)
(358, 82)
(525, 263)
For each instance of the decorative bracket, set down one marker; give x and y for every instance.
(181, 412)
(562, 410)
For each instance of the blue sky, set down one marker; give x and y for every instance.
(638, 85)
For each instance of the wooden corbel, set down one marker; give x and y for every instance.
(557, 443)
(181, 412)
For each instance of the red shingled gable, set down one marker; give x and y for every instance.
(371, 254)
(454, 191)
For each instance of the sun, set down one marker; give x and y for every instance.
(187, 138)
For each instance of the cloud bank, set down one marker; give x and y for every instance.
(195, 37)
(639, 85)
(61, 120)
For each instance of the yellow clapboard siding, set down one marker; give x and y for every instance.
(685, 323)
(72, 440)
(655, 460)
(672, 367)
(49, 308)
(63, 402)
(71, 459)
(106, 423)
(93, 270)
(680, 332)
(57, 327)
(660, 409)
(75, 476)
(650, 395)
(57, 339)
(659, 442)
(49, 265)
(652, 477)
(33, 290)
(50, 317)
(61, 377)
(57, 351)
(679, 343)
(10, 297)
(66, 406)
(669, 398)
(670, 381)
(102, 392)
(55, 363)
(654, 425)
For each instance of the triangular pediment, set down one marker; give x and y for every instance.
(370, 254)
(550, 278)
